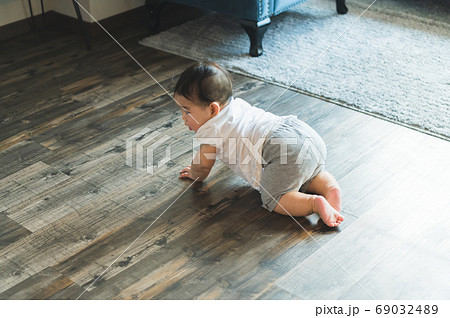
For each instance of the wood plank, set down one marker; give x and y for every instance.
(274, 292)
(21, 186)
(11, 194)
(47, 284)
(23, 202)
(407, 272)
(12, 273)
(20, 156)
(10, 231)
(333, 269)
(57, 241)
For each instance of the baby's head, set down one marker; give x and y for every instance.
(202, 91)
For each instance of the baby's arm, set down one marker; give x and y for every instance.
(202, 164)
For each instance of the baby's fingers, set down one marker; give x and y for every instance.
(184, 174)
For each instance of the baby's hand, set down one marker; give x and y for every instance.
(186, 172)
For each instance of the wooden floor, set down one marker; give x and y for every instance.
(71, 207)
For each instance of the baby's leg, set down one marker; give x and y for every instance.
(326, 185)
(300, 204)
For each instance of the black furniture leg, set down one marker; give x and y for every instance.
(80, 20)
(255, 31)
(32, 16)
(341, 7)
(43, 15)
(154, 7)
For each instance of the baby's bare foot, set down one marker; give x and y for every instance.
(333, 197)
(326, 212)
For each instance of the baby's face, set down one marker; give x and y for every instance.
(194, 116)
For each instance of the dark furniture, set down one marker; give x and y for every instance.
(254, 15)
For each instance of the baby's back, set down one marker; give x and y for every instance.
(244, 120)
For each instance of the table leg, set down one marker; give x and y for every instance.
(32, 16)
(80, 21)
(43, 14)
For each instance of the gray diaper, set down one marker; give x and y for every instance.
(294, 154)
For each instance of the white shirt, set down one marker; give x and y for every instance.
(238, 132)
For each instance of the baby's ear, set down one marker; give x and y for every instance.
(215, 108)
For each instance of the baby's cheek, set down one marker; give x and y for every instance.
(192, 123)
(194, 127)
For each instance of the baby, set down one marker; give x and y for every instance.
(280, 156)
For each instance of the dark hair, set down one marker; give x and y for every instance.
(205, 82)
